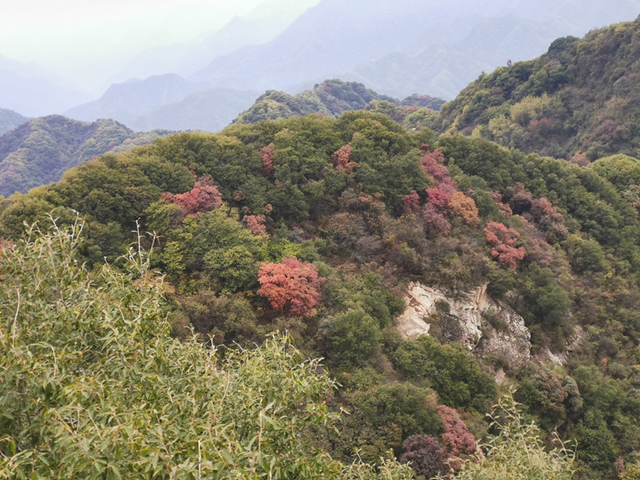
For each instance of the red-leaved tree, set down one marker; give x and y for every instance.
(502, 241)
(341, 160)
(432, 164)
(204, 197)
(267, 154)
(425, 454)
(432, 216)
(411, 202)
(292, 287)
(255, 223)
(458, 441)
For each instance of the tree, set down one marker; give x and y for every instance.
(204, 197)
(341, 160)
(292, 287)
(502, 241)
(411, 202)
(432, 216)
(255, 223)
(457, 439)
(267, 154)
(432, 164)
(355, 336)
(464, 207)
(425, 454)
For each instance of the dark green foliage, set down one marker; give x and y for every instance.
(41, 150)
(546, 302)
(355, 337)
(448, 369)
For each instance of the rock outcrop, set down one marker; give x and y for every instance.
(492, 332)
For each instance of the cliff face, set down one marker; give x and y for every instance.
(494, 333)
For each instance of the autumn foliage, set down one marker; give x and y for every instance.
(458, 441)
(255, 223)
(444, 199)
(464, 207)
(425, 454)
(411, 202)
(341, 160)
(267, 154)
(432, 163)
(292, 287)
(204, 197)
(502, 241)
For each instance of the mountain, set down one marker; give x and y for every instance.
(425, 271)
(127, 101)
(210, 111)
(332, 98)
(439, 70)
(32, 91)
(383, 34)
(41, 150)
(166, 102)
(264, 23)
(10, 120)
(580, 98)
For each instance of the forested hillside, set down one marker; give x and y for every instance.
(41, 150)
(320, 226)
(579, 100)
(332, 98)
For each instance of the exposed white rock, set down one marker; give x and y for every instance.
(467, 322)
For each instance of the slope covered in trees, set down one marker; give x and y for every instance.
(579, 100)
(331, 98)
(41, 150)
(317, 225)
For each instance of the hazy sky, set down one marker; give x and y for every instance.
(96, 36)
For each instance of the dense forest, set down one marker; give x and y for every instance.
(475, 303)
(39, 151)
(578, 101)
(316, 227)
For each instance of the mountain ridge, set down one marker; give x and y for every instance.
(41, 150)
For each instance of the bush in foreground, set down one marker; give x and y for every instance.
(93, 386)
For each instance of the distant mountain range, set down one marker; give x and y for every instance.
(32, 91)
(400, 47)
(166, 102)
(41, 150)
(263, 24)
(395, 47)
(10, 120)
